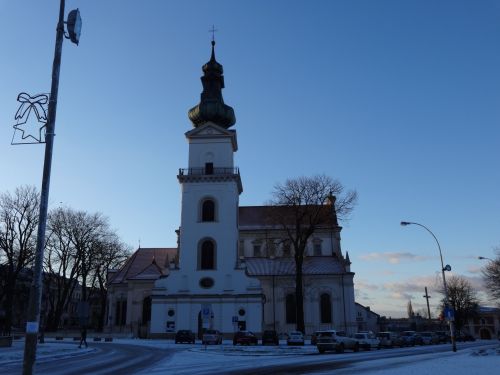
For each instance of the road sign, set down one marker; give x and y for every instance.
(449, 313)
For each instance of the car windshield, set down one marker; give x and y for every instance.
(326, 334)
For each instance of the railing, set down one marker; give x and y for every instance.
(208, 171)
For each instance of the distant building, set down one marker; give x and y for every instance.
(366, 320)
(486, 324)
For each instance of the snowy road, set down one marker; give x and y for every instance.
(160, 357)
(104, 359)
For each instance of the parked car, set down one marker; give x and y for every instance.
(390, 340)
(244, 338)
(367, 340)
(336, 340)
(411, 338)
(270, 337)
(444, 336)
(184, 336)
(295, 338)
(429, 338)
(211, 336)
(314, 337)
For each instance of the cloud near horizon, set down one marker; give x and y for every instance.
(392, 258)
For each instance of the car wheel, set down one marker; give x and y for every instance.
(321, 351)
(340, 348)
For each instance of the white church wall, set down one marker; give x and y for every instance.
(218, 151)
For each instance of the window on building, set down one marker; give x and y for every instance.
(208, 210)
(257, 248)
(146, 310)
(121, 312)
(291, 309)
(287, 248)
(241, 248)
(317, 250)
(209, 168)
(271, 247)
(326, 308)
(207, 255)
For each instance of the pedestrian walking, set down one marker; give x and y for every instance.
(83, 337)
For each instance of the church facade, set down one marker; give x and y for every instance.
(234, 268)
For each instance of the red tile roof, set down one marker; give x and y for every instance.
(145, 264)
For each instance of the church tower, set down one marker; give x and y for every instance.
(208, 289)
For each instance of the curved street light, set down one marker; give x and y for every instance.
(443, 268)
(485, 258)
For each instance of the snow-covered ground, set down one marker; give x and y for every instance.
(195, 359)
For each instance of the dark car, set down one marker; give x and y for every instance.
(245, 338)
(184, 336)
(270, 337)
(211, 336)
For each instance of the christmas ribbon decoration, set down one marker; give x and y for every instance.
(32, 102)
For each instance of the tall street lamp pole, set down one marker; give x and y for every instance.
(443, 268)
(32, 324)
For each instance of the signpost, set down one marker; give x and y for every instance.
(449, 314)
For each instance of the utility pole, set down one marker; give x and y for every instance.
(427, 296)
(32, 324)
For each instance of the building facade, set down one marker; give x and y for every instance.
(234, 268)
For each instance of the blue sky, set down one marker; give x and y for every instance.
(399, 100)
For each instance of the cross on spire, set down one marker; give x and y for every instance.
(213, 30)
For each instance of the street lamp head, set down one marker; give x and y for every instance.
(484, 258)
(405, 223)
(74, 26)
(447, 268)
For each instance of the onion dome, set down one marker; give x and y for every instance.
(211, 107)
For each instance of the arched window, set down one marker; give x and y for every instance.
(207, 255)
(291, 309)
(325, 308)
(146, 310)
(208, 210)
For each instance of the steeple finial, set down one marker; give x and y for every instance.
(211, 107)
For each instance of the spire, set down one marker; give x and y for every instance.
(211, 106)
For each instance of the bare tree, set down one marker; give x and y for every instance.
(300, 207)
(62, 266)
(18, 225)
(491, 276)
(462, 298)
(112, 254)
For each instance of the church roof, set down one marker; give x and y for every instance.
(318, 265)
(251, 217)
(144, 264)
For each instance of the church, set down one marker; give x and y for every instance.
(233, 269)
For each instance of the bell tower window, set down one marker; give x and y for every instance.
(208, 210)
(207, 255)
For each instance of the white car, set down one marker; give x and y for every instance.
(367, 340)
(295, 338)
